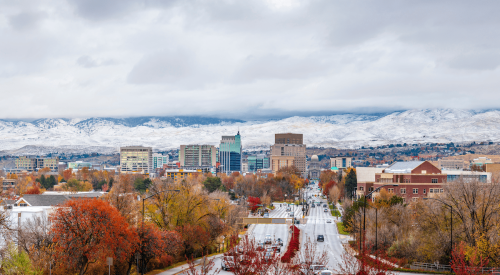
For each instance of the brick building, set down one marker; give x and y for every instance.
(415, 180)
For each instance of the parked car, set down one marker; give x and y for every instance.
(226, 262)
(316, 269)
(320, 238)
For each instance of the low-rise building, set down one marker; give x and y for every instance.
(415, 180)
(341, 162)
(451, 164)
(180, 174)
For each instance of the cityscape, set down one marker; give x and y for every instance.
(263, 137)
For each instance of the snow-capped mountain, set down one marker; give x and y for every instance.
(106, 135)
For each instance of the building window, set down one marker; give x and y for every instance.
(361, 188)
(415, 190)
(441, 190)
(434, 180)
(431, 190)
(403, 190)
(391, 190)
(424, 190)
(414, 199)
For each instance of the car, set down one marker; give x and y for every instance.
(317, 269)
(320, 238)
(325, 205)
(268, 239)
(291, 214)
(288, 210)
(325, 272)
(279, 241)
(328, 221)
(276, 247)
(313, 206)
(268, 256)
(226, 262)
(325, 210)
(266, 215)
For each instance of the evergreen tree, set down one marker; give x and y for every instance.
(350, 183)
(51, 181)
(212, 184)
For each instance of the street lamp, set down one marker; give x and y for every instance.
(364, 211)
(143, 213)
(451, 220)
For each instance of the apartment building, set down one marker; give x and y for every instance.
(198, 155)
(136, 159)
(32, 164)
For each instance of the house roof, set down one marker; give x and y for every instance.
(402, 167)
(53, 200)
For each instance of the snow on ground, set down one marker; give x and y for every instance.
(340, 131)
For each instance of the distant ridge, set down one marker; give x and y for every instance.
(104, 135)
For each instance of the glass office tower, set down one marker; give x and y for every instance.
(230, 153)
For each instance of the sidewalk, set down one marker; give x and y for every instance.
(184, 267)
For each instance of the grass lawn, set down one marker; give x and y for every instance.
(340, 226)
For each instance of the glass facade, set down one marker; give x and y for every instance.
(230, 153)
(258, 162)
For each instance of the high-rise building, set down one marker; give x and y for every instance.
(32, 164)
(230, 153)
(290, 145)
(288, 138)
(198, 155)
(136, 159)
(159, 160)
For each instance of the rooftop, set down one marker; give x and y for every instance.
(402, 167)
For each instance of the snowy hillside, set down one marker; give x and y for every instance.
(106, 135)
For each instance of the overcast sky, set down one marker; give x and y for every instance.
(245, 58)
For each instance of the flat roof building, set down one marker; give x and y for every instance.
(136, 159)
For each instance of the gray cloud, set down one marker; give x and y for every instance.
(247, 58)
(26, 20)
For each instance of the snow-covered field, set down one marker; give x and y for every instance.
(106, 135)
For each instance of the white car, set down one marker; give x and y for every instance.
(317, 269)
(328, 221)
(226, 262)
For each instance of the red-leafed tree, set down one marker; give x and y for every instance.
(253, 202)
(194, 238)
(155, 243)
(463, 264)
(34, 190)
(89, 230)
(326, 187)
(310, 255)
(249, 258)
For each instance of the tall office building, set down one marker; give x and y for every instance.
(289, 145)
(136, 159)
(159, 160)
(198, 155)
(230, 153)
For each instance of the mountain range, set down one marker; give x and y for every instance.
(106, 135)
